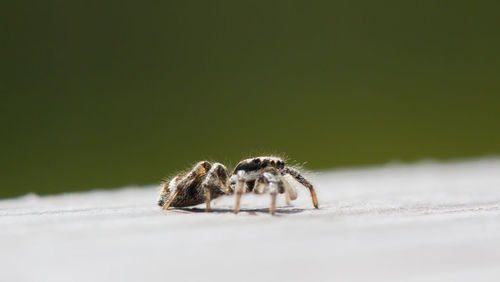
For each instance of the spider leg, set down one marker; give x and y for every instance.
(273, 189)
(273, 202)
(287, 197)
(260, 185)
(296, 174)
(239, 190)
(199, 169)
(208, 198)
(172, 198)
(290, 189)
(216, 177)
(284, 187)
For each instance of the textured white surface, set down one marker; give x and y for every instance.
(422, 222)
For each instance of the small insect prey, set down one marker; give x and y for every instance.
(259, 175)
(203, 183)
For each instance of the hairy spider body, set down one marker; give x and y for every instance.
(267, 174)
(208, 181)
(203, 183)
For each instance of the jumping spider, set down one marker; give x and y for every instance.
(206, 182)
(267, 174)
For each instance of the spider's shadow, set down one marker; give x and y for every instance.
(249, 211)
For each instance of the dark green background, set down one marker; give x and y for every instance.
(98, 94)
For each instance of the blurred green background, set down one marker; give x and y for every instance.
(101, 94)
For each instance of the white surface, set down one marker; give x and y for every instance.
(421, 222)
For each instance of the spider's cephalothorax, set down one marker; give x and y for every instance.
(203, 183)
(267, 174)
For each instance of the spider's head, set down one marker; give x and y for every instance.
(259, 163)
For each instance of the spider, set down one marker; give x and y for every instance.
(267, 174)
(206, 182)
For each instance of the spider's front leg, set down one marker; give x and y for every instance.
(296, 174)
(216, 179)
(290, 189)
